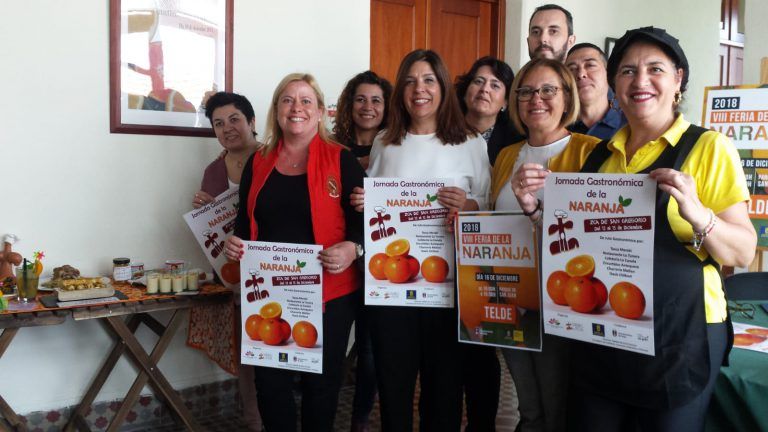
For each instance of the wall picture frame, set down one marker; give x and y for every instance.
(166, 58)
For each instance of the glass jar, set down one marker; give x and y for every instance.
(121, 269)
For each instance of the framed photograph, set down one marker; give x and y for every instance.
(165, 58)
(609, 44)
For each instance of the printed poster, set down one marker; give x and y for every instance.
(211, 225)
(282, 306)
(498, 280)
(408, 247)
(750, 337)
(741, 114)
(597, 259)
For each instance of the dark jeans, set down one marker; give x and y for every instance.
(410, 341)
(481, 375)
(541, 380)
(319, 392)
(603, 414)
(365, 374)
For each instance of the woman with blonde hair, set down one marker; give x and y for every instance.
(544, 100)
(291, 192)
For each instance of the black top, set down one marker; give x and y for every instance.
(504, 134)
(283, 211)
(359, 150)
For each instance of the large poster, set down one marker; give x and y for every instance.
(282, 306)
(409, 249)
(597, 259)
(741, 114)
(211, 225)
(498, 282)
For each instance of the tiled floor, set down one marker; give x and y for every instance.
(506, 418)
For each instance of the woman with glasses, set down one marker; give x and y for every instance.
(544, 100)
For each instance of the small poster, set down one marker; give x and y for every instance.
(282, 306)
(741, 114)
(498, 280)
(211, 225)
(597, 259)
(409, 249)
(750, 337)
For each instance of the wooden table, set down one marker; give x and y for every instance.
(121, 320)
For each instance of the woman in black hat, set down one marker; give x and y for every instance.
(702, 224)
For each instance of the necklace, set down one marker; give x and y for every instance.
(239, 162)
(292, 164)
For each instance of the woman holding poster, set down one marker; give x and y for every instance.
(426, 137)
(702, 223)
(291, 192)
(543, 102)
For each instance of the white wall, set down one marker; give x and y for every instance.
(84, 195)
(756, 36)
(694, 22)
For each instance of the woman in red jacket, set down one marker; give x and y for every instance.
(291, 192)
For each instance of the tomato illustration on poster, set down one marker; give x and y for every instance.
(597, 259)
(409, 250)
(498, 280)
(282, 306)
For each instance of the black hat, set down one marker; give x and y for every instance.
(657, 36)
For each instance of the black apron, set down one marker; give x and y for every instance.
(680, 369)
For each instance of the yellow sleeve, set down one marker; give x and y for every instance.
(575, 153)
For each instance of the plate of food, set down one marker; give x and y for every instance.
(84, 288)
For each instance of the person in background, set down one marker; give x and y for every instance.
(291, 192)
(483, 93)
(702, 223)
(550, 32)
(361, 113)
(543, 102)
(426, 137)
(598, 116)
(234, 123)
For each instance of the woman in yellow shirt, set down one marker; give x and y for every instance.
(702, 223)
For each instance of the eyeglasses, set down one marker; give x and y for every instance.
(546, 92)
(746, 310)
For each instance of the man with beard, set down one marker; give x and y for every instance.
(550, 32)
(597, 116)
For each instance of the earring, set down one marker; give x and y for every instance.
(503, 109)
(678, 97)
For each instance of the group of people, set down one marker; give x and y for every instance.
(497, 136)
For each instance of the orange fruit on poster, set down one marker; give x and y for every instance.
(376, 266)
(285, 329)
(580, 294)
(472, 298)
(627, 300)
(397, 269)
(270, 332)
(601, 291)
(434, 269)
(252, 326)
(305, 334)
(556, 287)
(398, 247)
(746, 339)
(526, 294)
(271, 310)
(413, 265)
(582, 265)
(230, 272)
(757, 331)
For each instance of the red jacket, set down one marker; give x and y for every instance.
(328, 222)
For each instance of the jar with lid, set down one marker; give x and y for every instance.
(121, 269)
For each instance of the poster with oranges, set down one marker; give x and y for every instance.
(597, 259)
(498, 280)
(750, 337)
(211, 225)
(281, 302)
(408, 248)
(741, 114)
